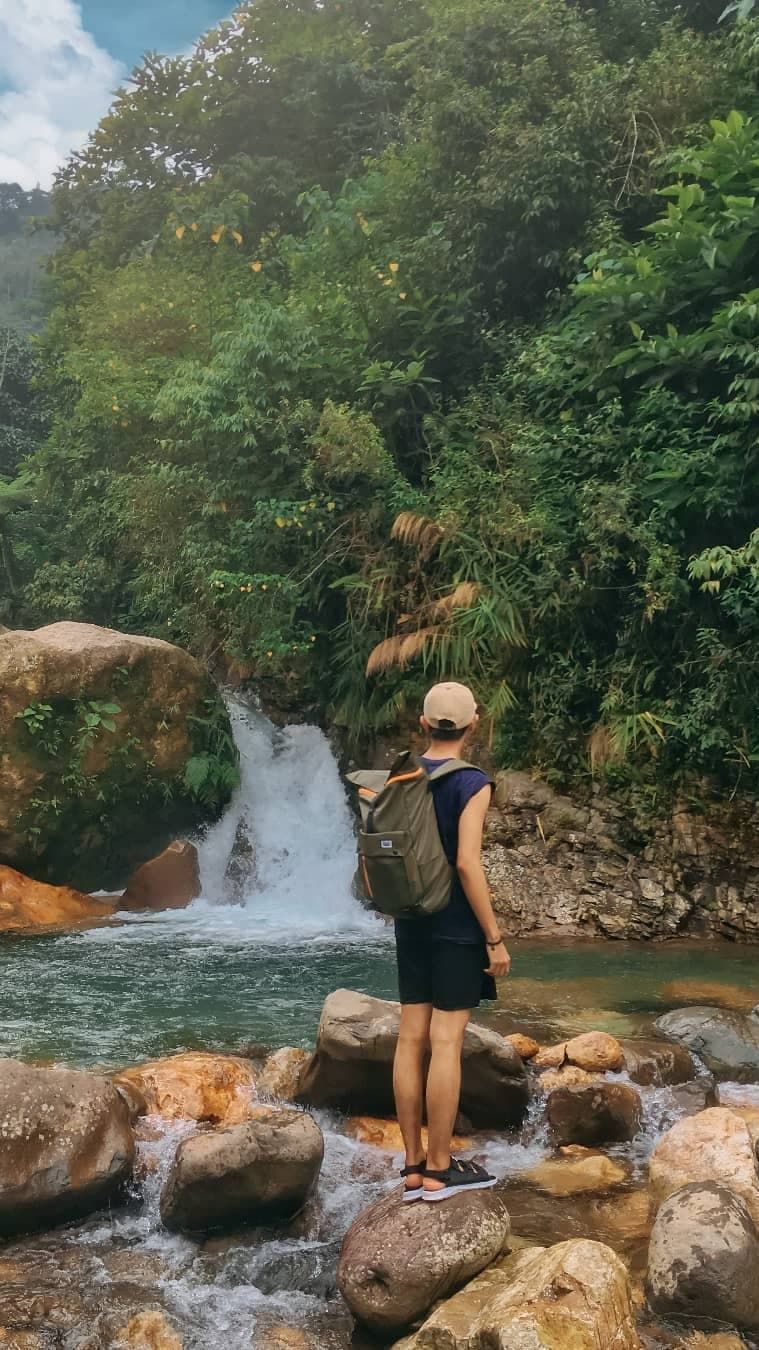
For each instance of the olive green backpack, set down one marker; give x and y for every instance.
(402, 863)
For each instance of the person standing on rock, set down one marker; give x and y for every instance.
(447, 961)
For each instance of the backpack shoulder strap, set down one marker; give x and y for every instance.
(450, 766)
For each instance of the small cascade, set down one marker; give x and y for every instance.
(284, 852)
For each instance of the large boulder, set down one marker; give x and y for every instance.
(28, 906)
(727, 1042)
(594, 1113)
(67, 1145)
(352, 1068)
(213, 1089)
(574, 1296)
(280, 1077)
(398, 1259)
(170, 881)
(715, 1145)
(258, 1172)
(118, 734)
(703, 1258)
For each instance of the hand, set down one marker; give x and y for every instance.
(500, 961)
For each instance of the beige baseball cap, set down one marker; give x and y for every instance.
(450, 706)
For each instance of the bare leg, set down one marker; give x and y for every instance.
(408, 1080)
(443, 1087)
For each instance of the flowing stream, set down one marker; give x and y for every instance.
(250, 963)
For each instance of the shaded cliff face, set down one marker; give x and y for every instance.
(110, 745)
(594, 869)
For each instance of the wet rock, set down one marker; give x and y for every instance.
(149, 1331)
(240, 876)
(386, 1134)
(573, 1296)
(721, 1340)
(596, 1052)
(727, 1042)
(398, 1259)
(598, 1113)
(280, 1078)
(525, 1046)
(691, 1098)
(353, 1064)
(257, 1172)
(170, 881)
(550, 1056)
(217, 1089)
(703, 1258)
(713, 1146)
(283, 1338)
(568, 1076)
(67, 1145)
(653, 1063)
(28, 906)
(162, 697)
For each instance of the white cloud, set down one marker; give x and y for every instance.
(55, 85)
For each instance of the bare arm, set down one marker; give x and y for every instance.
(472, 875)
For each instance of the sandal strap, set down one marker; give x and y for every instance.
(411, 1171)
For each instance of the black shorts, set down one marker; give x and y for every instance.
(449, 975)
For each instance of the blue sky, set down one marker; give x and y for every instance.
(60, 61)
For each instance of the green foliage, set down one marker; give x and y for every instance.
(326, 388)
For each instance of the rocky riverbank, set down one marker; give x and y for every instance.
(596, 868)
(626, 1215)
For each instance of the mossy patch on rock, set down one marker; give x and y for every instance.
(110, 746)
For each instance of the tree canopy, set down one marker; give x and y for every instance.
(398, 339)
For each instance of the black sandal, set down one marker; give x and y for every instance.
(414, 1192)
(460, 1176)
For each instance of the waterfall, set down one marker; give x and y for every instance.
(281, 860)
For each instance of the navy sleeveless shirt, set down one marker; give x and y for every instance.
(457, 922)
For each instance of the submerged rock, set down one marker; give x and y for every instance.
(398, 1259)
(28, 906)
(352, 1068)
(67, 1145)
(727, 1042)
(170, 881)
(715, 1145)
(258, 1172)
(594, 1113)
(149, 1331)
(122, 715)
(703, 1258)
(217, 1089)
(582, 1195)
(574, 1296)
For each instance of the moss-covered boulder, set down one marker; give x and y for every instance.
(110, 746)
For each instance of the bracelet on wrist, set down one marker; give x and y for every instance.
(497, 942)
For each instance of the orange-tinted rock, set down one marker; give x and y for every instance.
(550, 1056)
(596, 1052)
(568, 1076)
(220, 1089)
(28, 906)
(281, 1075)
(170, 881)
(525, 1046)
(386, 1134)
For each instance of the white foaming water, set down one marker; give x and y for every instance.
(287, 837)
(278, 867)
